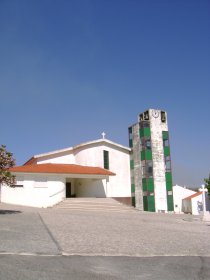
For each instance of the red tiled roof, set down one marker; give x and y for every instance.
(193, 195)
(61, 169)
(32, 160)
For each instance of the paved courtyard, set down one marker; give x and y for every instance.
(88, 232)
(102, 241)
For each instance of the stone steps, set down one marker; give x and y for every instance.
(93, 204)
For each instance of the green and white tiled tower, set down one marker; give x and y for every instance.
(150, 162)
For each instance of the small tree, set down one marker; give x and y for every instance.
(207, 184)
(6, 161)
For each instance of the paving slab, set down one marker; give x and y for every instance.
(24, 233)
(103, 268)
(128, 233)
(104, 233)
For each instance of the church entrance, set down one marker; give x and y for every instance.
(68, 189)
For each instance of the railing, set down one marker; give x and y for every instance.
(58, 192)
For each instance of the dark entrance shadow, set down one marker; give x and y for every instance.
(5, 212)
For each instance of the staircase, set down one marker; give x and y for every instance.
(93, 204)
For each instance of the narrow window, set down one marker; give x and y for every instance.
(130, 137)
(163, 116)
(146, 115)
(165, 143)
(106, 159)
(149, 169)
(148, 144)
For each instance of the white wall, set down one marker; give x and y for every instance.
(50, 189)
(90, 188)
(119, 163)
(64, 157)
(179, 193)
(197, 205)
(37, 191)
(187, 206)
(92, 155)
(56, 189)
(119, 185)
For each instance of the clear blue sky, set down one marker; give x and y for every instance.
(72, 69)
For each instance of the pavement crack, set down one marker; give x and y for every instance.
(201, 275)
(51, 235)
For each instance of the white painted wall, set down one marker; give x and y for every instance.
(49, 189)
(90, 188)
(197, 205)
(37, 191)
(119, 163)
(187, 206)
(92, 155)
(56, 189)
(64, 158)
(179, 193)
(193, 206)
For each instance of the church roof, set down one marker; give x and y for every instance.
(103, 141)
(99, 141)
(193, 195)
(61, 169)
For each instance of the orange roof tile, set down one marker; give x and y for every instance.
(61, 169)
(193, 195)
(32, 160)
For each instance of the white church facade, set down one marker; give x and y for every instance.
(139, 175)
(99, 168)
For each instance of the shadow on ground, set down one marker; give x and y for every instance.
(5, 212)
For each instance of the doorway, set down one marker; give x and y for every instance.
(68, 189)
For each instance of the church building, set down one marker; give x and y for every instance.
(138, 175)
(94, 169)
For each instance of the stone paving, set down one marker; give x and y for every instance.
(25, 230)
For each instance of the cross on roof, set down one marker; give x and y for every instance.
(103, 135)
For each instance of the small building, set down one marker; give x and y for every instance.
(99, 168)
(193, 204)
(179, 193)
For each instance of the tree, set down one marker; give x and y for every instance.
(207, 184)
(6, 161)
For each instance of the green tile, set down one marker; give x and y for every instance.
(133, 188)
(141, 132)
(148, 155)
(133, 200)
(142, 155)
(145, 132)
(170, 203)
(165, 135)
(169, 185)
(166, 151)
(168, 177)
(151, 203)
(131, 164)
(150, 184)
(144, 183)
(145, 202)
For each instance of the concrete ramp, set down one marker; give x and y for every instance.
(93, 204)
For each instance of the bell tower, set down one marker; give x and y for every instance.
(150, 162)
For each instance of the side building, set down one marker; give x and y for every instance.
(150, 162)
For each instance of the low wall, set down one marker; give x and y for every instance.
(124, 200)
